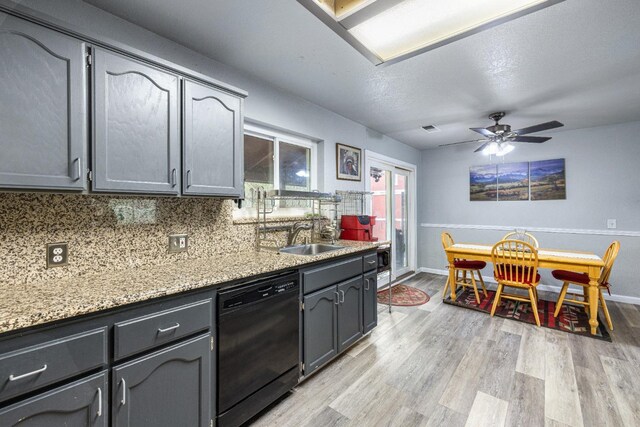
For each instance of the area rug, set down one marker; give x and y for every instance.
(403, 295)
(572, 319)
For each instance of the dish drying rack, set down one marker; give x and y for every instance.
(266, 202)
(353, 202)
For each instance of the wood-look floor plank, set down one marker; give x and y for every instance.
(487, 411)
(512, 327)
(623, 380)
(443, 416)
(497, 376)
(631, 314)
(531, 359)
(526, 403)
(599, 407)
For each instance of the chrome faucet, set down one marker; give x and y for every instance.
(295, 229)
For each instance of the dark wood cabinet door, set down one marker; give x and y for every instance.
(370, 301)
(171, 387)
(42, 108)
(320, 328)
(349, 313)
(82, 403)
(136, 141)
(213, 143)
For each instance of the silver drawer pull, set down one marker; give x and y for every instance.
(342, 293)
(170, 328)
(28, 374)
(371, 262)
(337, 300)
(99, 402)
(123, 401)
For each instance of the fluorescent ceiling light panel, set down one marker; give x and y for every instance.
(392, 30)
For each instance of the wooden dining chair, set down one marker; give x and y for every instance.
(522, 236)
(515, 264)
(582, 279)
(464, 266)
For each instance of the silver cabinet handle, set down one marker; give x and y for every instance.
(170, 328)
(28, 374)
(189, 178)
(99, 402)
(342, 293)
(78, 163)
(173, 177)
(337, 300)
(371, 262)
(123, 401)
(366, 284)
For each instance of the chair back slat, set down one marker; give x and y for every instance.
(447, 240)
(515, 262)
(522, 236)
(609, 258)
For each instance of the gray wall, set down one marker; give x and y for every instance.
(265, 104)
(603, 181)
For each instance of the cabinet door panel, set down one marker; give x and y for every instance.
(169, 388)
(349, 313)
(370, 301)
(79, 404)
(320, 328)
(42, 107)
(212, 142)
(136, 141)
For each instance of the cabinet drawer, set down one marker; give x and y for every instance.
(331, 274)
(143, 333)
(369, 262)
(43, 364)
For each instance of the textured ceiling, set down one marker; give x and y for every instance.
(577, 62)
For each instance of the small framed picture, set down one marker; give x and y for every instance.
(348, 162)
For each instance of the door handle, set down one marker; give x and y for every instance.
(78, 170)
(366, 284)
(99, 402)
(170, 328)
(342, 293)
(173, 177)
(28, 374)
(189, 178)
(123, 401)
(337, 300)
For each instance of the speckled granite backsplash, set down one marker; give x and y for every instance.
(109, 233)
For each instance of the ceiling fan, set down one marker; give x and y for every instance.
(498, 138)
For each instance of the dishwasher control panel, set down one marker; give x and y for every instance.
(257, 292)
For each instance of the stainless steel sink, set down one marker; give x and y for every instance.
(312, 249)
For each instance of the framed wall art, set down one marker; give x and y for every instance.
(348, 162)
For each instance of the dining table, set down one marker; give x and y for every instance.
(577, 261)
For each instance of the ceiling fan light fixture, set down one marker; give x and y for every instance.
(504, 149)
(491, 149)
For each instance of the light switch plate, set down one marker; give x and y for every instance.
(57, 254)
(612, 223)
(178, 243)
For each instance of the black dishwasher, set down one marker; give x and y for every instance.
(258, 346)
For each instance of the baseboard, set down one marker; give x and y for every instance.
(548, 288)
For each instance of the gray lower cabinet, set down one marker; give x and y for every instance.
(82, 403)
(320, 328)
(349, 313)
(213, 143)
(370, 301)
(42, 108)
(136, 141)
(171, 387)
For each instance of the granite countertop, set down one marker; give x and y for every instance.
(34, 304)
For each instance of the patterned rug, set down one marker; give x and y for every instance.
(572, 319)
(403, 295)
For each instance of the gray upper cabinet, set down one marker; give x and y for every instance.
(320, 328)
(349, 313)
(83, 403)
(42, 108)
(213, 144)
(136, 141)
(168, 388)
(370, 301)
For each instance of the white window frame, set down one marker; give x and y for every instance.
(277, 136)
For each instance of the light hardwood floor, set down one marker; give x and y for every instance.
(440, 365)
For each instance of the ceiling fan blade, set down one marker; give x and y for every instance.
(483, 131)
(539, 128)
(482, 147)
(536, 139)
(461, 142)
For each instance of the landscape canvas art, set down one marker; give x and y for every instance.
(513, 181)
(483, 183)
(548, 180)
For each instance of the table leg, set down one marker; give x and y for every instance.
(452, 277)
(594, 275)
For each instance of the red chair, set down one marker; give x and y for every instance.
(465, 266)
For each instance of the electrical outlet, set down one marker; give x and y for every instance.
(612, 223)
(57, 254)
(178, 243)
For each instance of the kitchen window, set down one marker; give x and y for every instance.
(276, 160)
